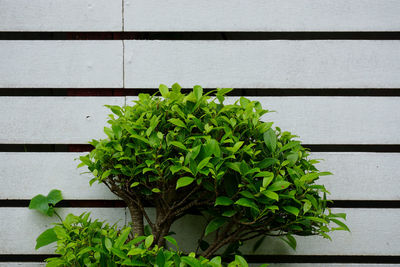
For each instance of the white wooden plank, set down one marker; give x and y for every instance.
(263, 64)
(317, 120)
(373, 233)
(334, 120)
(22, 264)
(361, 176)
(58, 120)
(19, 227)
(262, 15)
(61, 64)
(25, 175)
(357, 176)
(60, 15)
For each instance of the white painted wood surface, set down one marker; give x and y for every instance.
(357, 176)
(317, 120)
(263, 64)
(372, 233)
(19, 227)
(334, 120)
(61, 64)
(58, 120)
(262, 15)
(60, 15)
(25, 175)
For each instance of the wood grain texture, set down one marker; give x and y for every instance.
(317, 120)
(60, 15)
(25, 175)
(357, 176)
(58, 120)
(20, 239)
(61, 64)
(262, 15)
(19, 227)
(334, 120)
(263, 64)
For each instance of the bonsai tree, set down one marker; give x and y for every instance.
(184, 152)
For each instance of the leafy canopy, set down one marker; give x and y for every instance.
(248, 178)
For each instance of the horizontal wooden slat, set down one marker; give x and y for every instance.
(263, 64)
(372, 233)
(262, 15)
(334, 120)
(357, 176)
(317, 120)
(25, 175)
(61, 64)
(60, 15)
(22, 264)
(59, 120)
(361, 176)
(19, 227)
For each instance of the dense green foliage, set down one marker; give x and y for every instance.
(185, 151)
(83, 242)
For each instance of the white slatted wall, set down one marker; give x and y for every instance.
(331, 70)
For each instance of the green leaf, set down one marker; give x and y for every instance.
(307, 205)
(45, 238)
(203, 163)
(177, 122)
(229, 213)
(271, 195)
(171, 240)
(270, 139)
(290, 145)
(134, 184)
(234, 166)
(122, 238)
(156, 190)
(105, 174)
(178, 144)
(245, 202)
(40, 203)
(341, 224)
(223, 201)
(244, 102)
(54, 196)
(214, 224)
(292, 210)
(108, 244)
(279, 185)
(265, 163)
(164, 90)
(309, 177)
(198, 92)
(115, 109)
(236, 147)
(291, 241)
(239, 259)
(138, 137)
(184, 181)
(148, 241)
(223, 91)
(160, 259)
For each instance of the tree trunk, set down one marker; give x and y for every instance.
(137, 219)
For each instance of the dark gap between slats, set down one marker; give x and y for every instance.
(394, 148)
(249, 258)
(247, 92)
(351, 204)
(215, 35)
